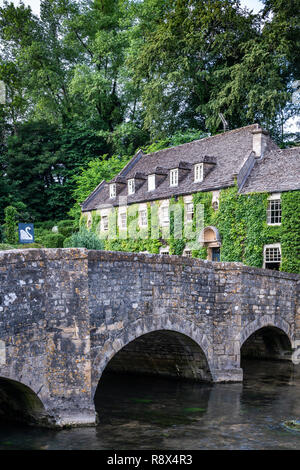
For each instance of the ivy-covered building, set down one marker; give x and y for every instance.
(230, 197)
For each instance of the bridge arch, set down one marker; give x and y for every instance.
(183, 333)
(262, 332)
(18, 402)
(261, 322)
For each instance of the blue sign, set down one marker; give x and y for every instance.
(26, 233)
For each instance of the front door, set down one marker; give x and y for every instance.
(215, 254)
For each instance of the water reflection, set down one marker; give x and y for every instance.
(154, 413)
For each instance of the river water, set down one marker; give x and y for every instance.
(155, 413)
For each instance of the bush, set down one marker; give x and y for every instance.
(53, 240)
(10, 225)
(46, 225)
(84, 239)
(66, 227)
(6, 246)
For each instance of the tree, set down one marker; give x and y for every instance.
(97, 170)
(10, 225)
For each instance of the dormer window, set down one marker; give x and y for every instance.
(174, 177)
(112, 190)
(198, 173)
(131, 186)
(151, 182)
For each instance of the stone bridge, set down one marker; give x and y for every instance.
(66, 315)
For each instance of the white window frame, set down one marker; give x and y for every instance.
(272, 198)
(187, 250)
(122, 225)
(164, 250)
(131, 186)
(274, 246)
(104, 226)
(151, 182)
(189, 209)
(174, 177)
(164, 215)
(143, 217)
(112, 190)
(198, 173)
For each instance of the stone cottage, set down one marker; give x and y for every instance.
(248, 186)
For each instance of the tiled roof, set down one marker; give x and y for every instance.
(224, 154)
(279, 170)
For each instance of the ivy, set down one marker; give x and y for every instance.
(290, 227)
(240, 219)
(10, 225)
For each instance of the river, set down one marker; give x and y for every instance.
(157, 413)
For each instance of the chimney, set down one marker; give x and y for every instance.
(260, 141)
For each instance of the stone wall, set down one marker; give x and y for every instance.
(44, 324)
(67, 314)
(217, 305)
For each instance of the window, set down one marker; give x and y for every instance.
(198, 172)
(187, 252)
(143, 218)
(112, 190)
(215, 205)
(165, 215)
(174, 177)
(272, 256)
(151, 182)
(274, 210)
(123, 220)
(189, 212)
(131, 187)
(104, 221)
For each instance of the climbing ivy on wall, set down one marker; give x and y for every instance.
(290, 231)
(240, 219)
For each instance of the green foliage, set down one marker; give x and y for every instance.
(90, 177)
(6, 246)
(84, 239)
(290, 237)
(66, 227)
(95, 81)
(179, 138)
(240, 220)
(10, 225)
(53, 240)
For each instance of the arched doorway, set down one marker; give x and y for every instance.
(210, 238)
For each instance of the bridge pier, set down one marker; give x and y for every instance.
(70, 415)
(227, 375)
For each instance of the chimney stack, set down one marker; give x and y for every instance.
(260, 141)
